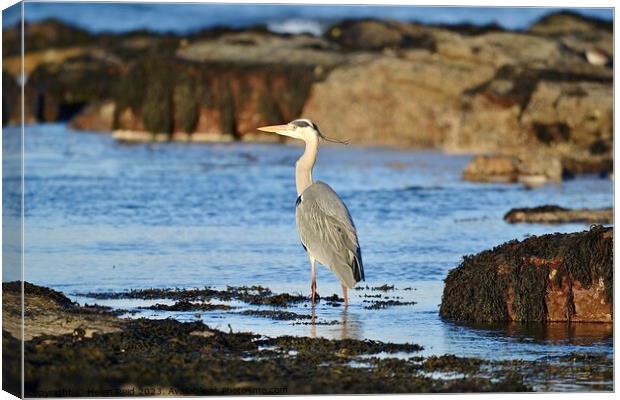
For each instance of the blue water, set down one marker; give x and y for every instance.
(182, 18)
(102, 216)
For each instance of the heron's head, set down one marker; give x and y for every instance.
(302, 129)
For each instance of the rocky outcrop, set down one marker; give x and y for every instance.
(566, 22)
(96, 116)
(557, 277)
(11, 96)
(56, 92)
(217, 86)
(461, 89)
(49, 312)
(375, 35)
(551, 214)
(531, 169)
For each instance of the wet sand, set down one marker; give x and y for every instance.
(74, 350)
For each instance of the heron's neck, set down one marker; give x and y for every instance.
(303, 167)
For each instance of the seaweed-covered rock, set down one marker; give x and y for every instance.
(11, 95)
(379, 35)
(561, 23)
(42, 35)
(551, 214)
(557, 277)
(223, 86)
(58, 91)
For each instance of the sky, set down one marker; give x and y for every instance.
(183, 18)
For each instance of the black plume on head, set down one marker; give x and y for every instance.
(302, 123)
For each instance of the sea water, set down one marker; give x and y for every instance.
(106, 216)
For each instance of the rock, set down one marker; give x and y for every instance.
(493, 168)
(379, 35)
(11, 95)
(58, 91)
(574, 112)
(528, 106)
(391, 83)
(254, 48)
(598, 56)
(210, 97)
(579, 163)
(566, 22)
(49, 312)
(95, 117)
(532, 169)
(420, 91)
(551, 214)
(144, 136)
(557, 277)
(43, 35)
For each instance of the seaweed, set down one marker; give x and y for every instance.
(185, 305)
(590, 257)
(382, 304)
(11, 96)
(57, 92)
(186, 107)
(529, 284)
(255, 295)
(226, 105)
(11, 364)
(167, 357)
(346, 346)
(156, 107)
(47, 34)
(552, 214)
(475, 291)
(31, 290)
(276, 315)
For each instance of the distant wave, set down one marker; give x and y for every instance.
(297, 25)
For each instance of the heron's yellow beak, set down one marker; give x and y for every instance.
(284, 130)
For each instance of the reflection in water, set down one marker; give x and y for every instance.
(313, 323)
(578, 333)
(349, 326)
(554, 333)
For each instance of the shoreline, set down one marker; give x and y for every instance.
(95, 351)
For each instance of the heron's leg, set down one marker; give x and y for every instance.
(346, 297)
(312, 260)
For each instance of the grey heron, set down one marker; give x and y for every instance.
(324, 224)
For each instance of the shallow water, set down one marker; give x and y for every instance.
(104, 216)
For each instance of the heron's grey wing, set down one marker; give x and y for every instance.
(327, 232)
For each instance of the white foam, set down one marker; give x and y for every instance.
(297, 26)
